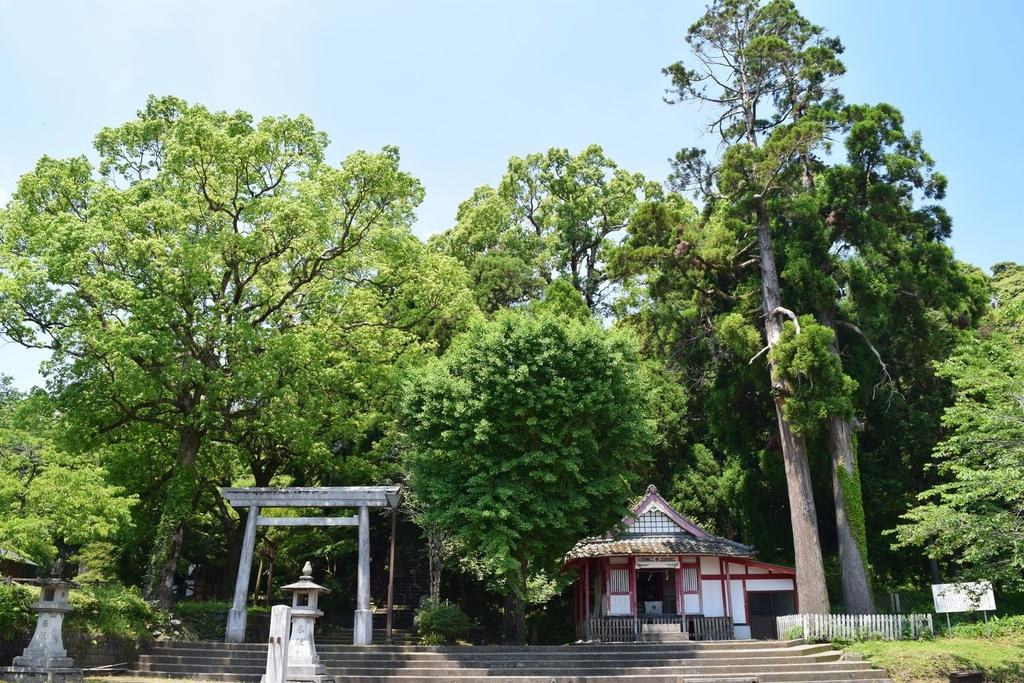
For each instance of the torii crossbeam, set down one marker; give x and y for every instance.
(256, 498)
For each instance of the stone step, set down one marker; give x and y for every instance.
(158, 661)
(685, 662)
(759, 645)
(365, 661)
(832, 670)
(830, 677)
(470, 655)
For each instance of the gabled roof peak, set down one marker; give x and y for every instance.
(654, 501)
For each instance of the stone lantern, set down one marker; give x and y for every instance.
(45, 658)
(303, 661)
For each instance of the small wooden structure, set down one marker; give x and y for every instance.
(15, 566)
(661, 568)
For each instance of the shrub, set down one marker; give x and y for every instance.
(794, 632)
(113, 610)
(16, 616)
(205, 619)
(998, 627)
(441, 622)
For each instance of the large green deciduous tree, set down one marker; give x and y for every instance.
(526, 437)
(973, 516)
(192, 277)
(554, 214)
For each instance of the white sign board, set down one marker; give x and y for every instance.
(657, 563)
(963, 597)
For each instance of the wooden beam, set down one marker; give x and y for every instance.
(312, 496)
(307, 521)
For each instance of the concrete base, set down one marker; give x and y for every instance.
(33, 674)
(663, 633)
(308, 674)
(363, 631)
(235, 632)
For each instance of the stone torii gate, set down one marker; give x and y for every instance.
(255, 498)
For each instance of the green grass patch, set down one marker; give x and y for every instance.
(931, 661)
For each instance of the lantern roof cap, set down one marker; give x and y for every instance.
(305, 582)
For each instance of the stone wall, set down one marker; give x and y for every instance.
(88, 652)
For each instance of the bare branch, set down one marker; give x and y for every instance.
(853, 328)
(759, 354)
(779, 310)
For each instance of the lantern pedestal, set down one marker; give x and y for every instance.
(45, 659)
(303, 661)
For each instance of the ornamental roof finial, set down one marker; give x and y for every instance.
(652, 489)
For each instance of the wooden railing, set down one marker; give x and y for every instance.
(610, 629)
(628, 629)
(710, 628)
(824, 627)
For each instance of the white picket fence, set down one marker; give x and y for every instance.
(824, 627)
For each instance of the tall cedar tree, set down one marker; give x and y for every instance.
(767, 70)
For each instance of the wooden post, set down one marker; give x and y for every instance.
(256, 583)
(391, 573)
(270, 579)
(235, 631)
(727, 583)
(586, 596)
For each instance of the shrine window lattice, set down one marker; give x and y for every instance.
(655, 522)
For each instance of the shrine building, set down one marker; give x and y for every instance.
(659, 568)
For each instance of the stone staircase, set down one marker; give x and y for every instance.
(343, 635)
(690, 662)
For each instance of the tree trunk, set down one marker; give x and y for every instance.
(178, 504)
(435, 558)
(810, 570)
(849, 504)
(515, 610)
(857, 597)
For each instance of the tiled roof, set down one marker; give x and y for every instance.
(675, 544)
(6, 554)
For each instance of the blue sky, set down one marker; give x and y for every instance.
(462, 86)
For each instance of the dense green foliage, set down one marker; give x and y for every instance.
(525, 437)
(974, 514)
(438, 623)
(113, 611)
(52, 501)
(16, 615)
(99, 611)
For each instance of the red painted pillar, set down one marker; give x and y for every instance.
(586, 591)
(577, 604)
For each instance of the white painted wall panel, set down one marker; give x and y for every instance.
(735, 568)
(709, 565)
(692, 603)
(711, 591)
(742, 632)
(756, 570)
(769, 585)
(618, 605)
(739, 608)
